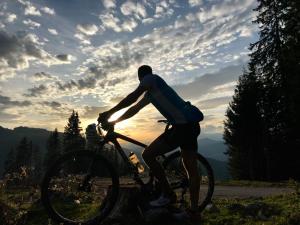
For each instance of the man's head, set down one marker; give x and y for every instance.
(143, 71)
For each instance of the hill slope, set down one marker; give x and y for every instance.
(211, 149)
(10, 139)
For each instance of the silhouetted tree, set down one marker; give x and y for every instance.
(291, 64)
(243, 128)
(53, 148)
(36, 165)
(274, 63)
(73, 139)
(9, 164)
(23, 153)
(276, 58)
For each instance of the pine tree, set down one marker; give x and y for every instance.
(242, 129)
(53, 148)
(36, 165)
(23, 153)
(73, 139)
(274, 63)
(291, 57)
(276, 58)
(9, 164)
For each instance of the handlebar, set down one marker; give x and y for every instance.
(105, 125)
(167, 122)
(163, 121)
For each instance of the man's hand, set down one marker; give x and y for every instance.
(103, 117)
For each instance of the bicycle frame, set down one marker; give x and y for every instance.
(112, 136)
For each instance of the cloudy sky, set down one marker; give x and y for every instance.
(56, 56)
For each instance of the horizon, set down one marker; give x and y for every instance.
(53, 61)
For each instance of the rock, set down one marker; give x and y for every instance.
(253, 209)
(126, 209)
(212, 208)
(235, 207)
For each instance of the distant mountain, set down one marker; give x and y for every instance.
(10, 139)
(212, 149)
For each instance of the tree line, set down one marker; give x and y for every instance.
(263, 119)
(28, 158)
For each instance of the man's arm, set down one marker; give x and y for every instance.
(133, 110)
(128, 100)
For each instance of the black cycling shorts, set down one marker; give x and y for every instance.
(183, 136)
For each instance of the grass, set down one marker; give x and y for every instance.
(290, 183)
(275, 210)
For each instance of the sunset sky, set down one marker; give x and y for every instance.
(60, 55)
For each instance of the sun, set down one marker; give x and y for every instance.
(123, 124)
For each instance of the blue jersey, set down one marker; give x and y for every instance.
(168, 102)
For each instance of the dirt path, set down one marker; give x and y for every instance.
(246, 192)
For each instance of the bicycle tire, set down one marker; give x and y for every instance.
(47, 190)
(181, 180)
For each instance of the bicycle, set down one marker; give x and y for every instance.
(81, 187)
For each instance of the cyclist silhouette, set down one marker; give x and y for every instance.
(184, 118)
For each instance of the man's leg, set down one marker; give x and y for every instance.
(156, 148)
(189, 159)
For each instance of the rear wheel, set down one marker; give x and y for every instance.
(179, 181)
(80, 188)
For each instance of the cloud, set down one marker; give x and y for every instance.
(52, 31)
(53, 104)
(36, 91)
(225, 8)
(194, 3)
(11, 17)
(92, 112)
(111, 21)
(48, 10)
(109, 4)
(7, 102)
(97, 72)
(214, 102)
(129, 25)
(163, 9)
(84, 39)
(18, 50)
(87, 29)
(207, 82)
(42, 76)
(32, 24)
(65, 58)
(31, 10)
(130, 8)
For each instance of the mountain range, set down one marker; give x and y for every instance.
(213, 150)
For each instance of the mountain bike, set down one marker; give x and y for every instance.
(82, 187)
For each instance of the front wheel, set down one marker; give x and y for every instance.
(81, 187)
(179, 180)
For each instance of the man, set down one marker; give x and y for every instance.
(184, 119)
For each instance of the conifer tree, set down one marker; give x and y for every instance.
(53, 148)
(23, 153)
(36, 166)
(9, 164)
(73, 139)
(243, 127)
(274, 63)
